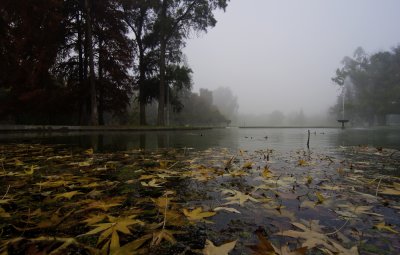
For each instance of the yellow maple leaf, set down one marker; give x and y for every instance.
(266, 173)
(18, 162)
(154, 183)
(197, 214)
(4, 214)
(320, 197)
(223, 249)
(164, 234)
(67, 195)
(383, 226)
(302, 162)
(109, 231)
(93, 219)
(89, 152)
(247, 165)
(238, 197)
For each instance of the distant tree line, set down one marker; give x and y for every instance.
(196, 109)
(73, 62)
(371, 86)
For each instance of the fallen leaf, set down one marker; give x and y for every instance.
(93, 219)
(228, 209)
(154, 183)
(67, 195)
(383, 226)
(164, 234)
(248, 165)
(4, 214)
(238, 197)
(132, 247)
(224, 249)
(197, 214)
(109, 231)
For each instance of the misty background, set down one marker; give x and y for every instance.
(278, 57)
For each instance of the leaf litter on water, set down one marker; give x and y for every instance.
(81, 193)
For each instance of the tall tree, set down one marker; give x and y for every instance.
(94, 118)
(177, 18)
(140, 18)
(372, 85)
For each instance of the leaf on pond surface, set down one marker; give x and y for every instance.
(163, 164)
(395, 191)
(266, 173)
(18, 162)
(54, 221)
(110, 230)
(331, 187)
(382, 226)
(228, 209)
(104, 205)
(132, 247)
(264, 246)
(93, 219)
(320, 197)
(302, 162)
(31, 170)
(67, 195)
(248, 165)
(353, 211)
(154, 183)
(197, 214)
(164, 234)
(162, 202)
(238, 197)
(147, 176)
(89, 152)
(237, 173)
(52, 184)
(4, 214)
(224, 249)
(312, 238)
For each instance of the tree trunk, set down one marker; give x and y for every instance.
(142, 96)
(80, 70)
(161, 98)
(100, 83)
(93, 101)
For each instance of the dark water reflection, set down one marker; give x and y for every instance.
(282, 139)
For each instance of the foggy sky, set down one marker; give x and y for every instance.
(281, 54)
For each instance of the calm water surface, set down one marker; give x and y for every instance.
(282, 139)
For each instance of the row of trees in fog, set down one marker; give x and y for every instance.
(371, 86)
(73, 62)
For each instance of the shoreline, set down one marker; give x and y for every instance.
(67, 128)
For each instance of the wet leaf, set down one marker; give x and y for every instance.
(248, 165)
(4, 214)
(67, 195)
(382, 226)
(223, 249)
(93, 219)
(197, 214)
(154, 183)
(266, 173)
(164, 234)
(238, 197)
(264, 247)
(110, 230)
(228, 209)
(131, 247)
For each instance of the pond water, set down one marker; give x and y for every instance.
(265, 184)
(281, 139)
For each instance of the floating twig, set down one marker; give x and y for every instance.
(8, 188)
(377, 188)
